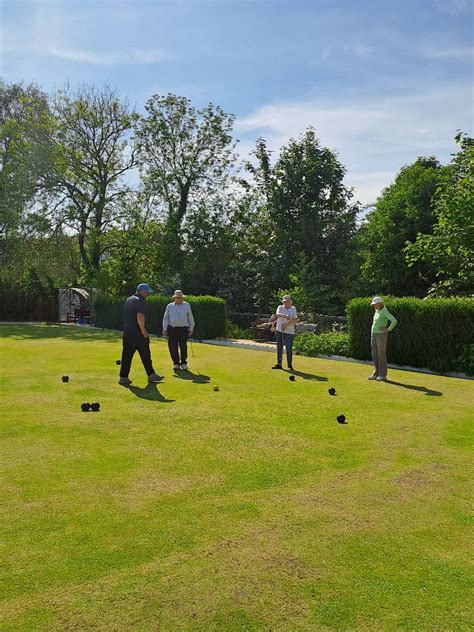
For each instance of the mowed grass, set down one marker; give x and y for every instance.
(250, 508)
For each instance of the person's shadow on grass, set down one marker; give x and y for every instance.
(196, 378)
(307, 376)
(421, 389)
(150, 392)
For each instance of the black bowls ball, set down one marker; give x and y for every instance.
(331, 391)
(85, 406)
(292, 378)
(65, 378)
(118, 362)
(95, 406)
(341, 419)
(216, 388)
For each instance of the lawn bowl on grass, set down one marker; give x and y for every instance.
(174, 510)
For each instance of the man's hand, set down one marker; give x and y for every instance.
(165, 333)
(190, 333)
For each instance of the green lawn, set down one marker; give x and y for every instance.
(181, 508)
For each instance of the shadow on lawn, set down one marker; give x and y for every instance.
(150, 392)
(307, 376)
(68, 332)
(421, 389)
(196, 378)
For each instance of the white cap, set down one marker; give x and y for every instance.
(376, 300)
(286, 298)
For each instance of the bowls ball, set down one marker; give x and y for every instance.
(65, 378)
(95, 406)
(292, 378)
(85, 406)
(341, 419)
(332, 391)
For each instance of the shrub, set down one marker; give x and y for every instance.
(431, 333)
(235, 331)
(322, 344)
(30, 299)
(209, 313)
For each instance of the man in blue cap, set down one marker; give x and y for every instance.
(135, 336)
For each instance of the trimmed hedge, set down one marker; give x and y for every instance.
(329, 343)
(33, 302)
(209, 313)
(431, 333)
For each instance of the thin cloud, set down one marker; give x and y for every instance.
(375, 137)
(456, 53)
(110, 58)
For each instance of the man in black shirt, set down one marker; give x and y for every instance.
(135, 336)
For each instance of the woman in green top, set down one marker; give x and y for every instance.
(380, 329)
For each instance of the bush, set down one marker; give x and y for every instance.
(29, 300)
(235, 331)
(431, 333)
(209, 313)
(322, 344)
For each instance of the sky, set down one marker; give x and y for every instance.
(381, 81)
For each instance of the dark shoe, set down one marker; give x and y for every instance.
(154, 378)
(124, 381)
(290, 367)
(277, 366)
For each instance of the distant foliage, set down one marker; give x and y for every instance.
(209, 313)
(431, 333)
(322, 344)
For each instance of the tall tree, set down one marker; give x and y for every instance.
(93, 140)
(404, 209)
(448, 250)
(186, 155)
(25, 156)
(307, 214)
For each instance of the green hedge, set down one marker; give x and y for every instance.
(329, 343)
(33, 302)
(431, 333)
(209, 313)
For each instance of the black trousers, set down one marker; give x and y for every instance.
(178, 336)
(132, 343)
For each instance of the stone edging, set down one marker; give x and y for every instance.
(262, 346)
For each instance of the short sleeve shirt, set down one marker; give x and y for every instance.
(292, 313)
(133, 305)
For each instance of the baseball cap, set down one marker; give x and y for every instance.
(287, 297)
(144, 287)
(376, 300)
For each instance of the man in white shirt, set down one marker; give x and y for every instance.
(286, 316)
(178, 325)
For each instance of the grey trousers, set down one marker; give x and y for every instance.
(379, 353)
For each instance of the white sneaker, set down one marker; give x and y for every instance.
(372, 377)
(184, 367)
(176, 367)
(381, 379)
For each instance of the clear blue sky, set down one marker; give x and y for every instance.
(382, 81)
